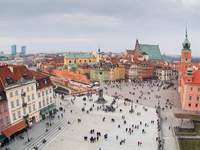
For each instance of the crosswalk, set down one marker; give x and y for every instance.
(51, 133)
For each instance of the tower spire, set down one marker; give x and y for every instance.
(186, 33)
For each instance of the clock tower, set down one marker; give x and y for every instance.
(186, 51)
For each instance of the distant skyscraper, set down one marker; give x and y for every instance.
(13, 50)
(23, 50)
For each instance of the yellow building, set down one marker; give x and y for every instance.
(108, 72)
(79, 58)
(117, 73)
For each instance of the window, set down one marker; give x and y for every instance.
(16, 92)
(85, 61)
(33, 97)
(23, 100)
(43, 102)
(197, 98)
(33, 107)
(50, 99)
(189, 105)
(24, 111)
(11, 94)
(198, 89)
(29, 98)
(70, 61)
(42, 93)
(50, 90)
(89, 60)
(17, 102)
(190, 98)
(19, 114)
(14, 116)
(196, 105)
(29, 109)
(47, 101)
(7, 120)
(12, 104)
(80, 61)
(40, 105)
(38, 94)
(32, 88)
(46, 92)
(191, 89)
(27, 89)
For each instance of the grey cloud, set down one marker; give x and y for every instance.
(112, 24)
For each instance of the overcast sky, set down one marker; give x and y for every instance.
(112, 25)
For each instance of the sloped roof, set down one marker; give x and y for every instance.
(71, 76)
(42, 79)
(18, 71)
(79, 55)
(152, 50)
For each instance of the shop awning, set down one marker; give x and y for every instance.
(47, 109)
(14, 128)
(2, 138)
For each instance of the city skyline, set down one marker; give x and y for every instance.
(76, 25)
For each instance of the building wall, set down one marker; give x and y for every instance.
(96, 75)
(131, 72)
(190, 97)
(118, 73)
(84, 71)
(68, 61)
(19, 105)
(4, 115)
(165, 74)
(145, 71)
(45, 98)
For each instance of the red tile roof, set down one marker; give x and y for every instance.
(71, 76)
(10, 130)
(16, 72)
(42, 79)
(13, 71)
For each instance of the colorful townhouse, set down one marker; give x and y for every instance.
(24, 94)
(107, 72)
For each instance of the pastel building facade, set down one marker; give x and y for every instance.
(79, 58)
(108, 72)
(20, 87)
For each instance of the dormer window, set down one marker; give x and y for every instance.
(9, 80)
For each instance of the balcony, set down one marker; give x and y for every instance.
(24, 104)
(23, 94)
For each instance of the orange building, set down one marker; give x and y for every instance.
(189, 79)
